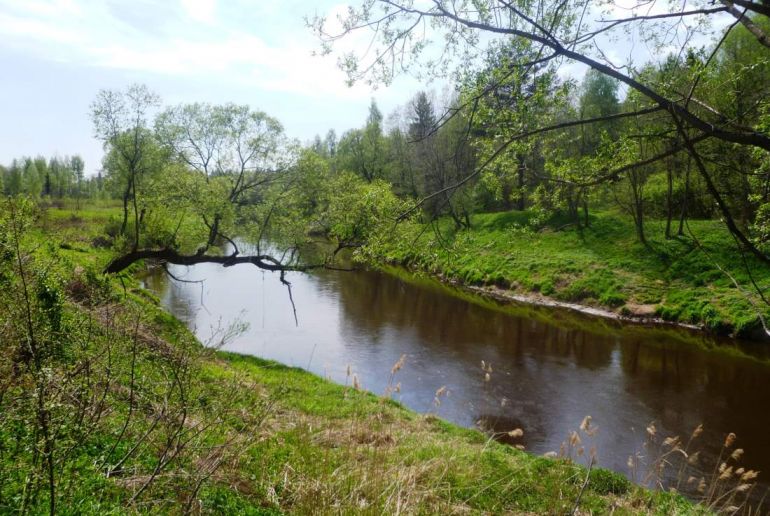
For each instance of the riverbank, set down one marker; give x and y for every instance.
(700, 280)
(156, 422)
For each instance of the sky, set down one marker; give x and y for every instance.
(55, 55)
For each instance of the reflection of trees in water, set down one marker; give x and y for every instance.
(682, 368)
(685, 386)
(155, 280)
(178, 298)
(679, 385)
(372, 302)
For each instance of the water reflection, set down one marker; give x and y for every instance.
(545, 377)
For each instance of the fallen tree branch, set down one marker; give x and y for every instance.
(263, 261)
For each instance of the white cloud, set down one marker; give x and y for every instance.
(92, 35)
(200, 10)
(19, 28)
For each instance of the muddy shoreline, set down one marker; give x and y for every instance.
(540, 300)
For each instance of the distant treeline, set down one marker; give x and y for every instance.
(56, 178)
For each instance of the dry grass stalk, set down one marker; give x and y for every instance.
(727, 489)
(390, 389)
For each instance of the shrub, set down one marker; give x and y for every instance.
(603, 481)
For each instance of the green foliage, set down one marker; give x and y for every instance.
(361, 212)
(362, 151)
(761, 224)
(50, 300)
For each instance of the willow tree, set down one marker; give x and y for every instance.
(207, 163)
(441, 37)
(121, 119)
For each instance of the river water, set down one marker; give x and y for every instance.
(549, 368)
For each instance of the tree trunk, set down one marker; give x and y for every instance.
(458, 222)
(685, 197)
(637, 207)
(126, 198)
(520, 203)
(136, 221)
(669, 201)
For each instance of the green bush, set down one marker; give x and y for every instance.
(604, 481)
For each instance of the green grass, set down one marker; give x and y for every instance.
(286, 440)
(603, 265)
(341, 444)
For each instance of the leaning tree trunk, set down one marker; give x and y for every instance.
(721, 204)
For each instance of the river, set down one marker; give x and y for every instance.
(549, 368)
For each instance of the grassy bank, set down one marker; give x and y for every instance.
(121, 410)
(701, 278)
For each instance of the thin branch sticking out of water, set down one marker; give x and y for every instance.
(291, 298)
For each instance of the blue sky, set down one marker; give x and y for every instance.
(56, 54)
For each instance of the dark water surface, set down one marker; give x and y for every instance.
(546, 374)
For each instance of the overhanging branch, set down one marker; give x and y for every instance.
(521, 136)
(752, 138)
(263, 261)
(747, 22)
